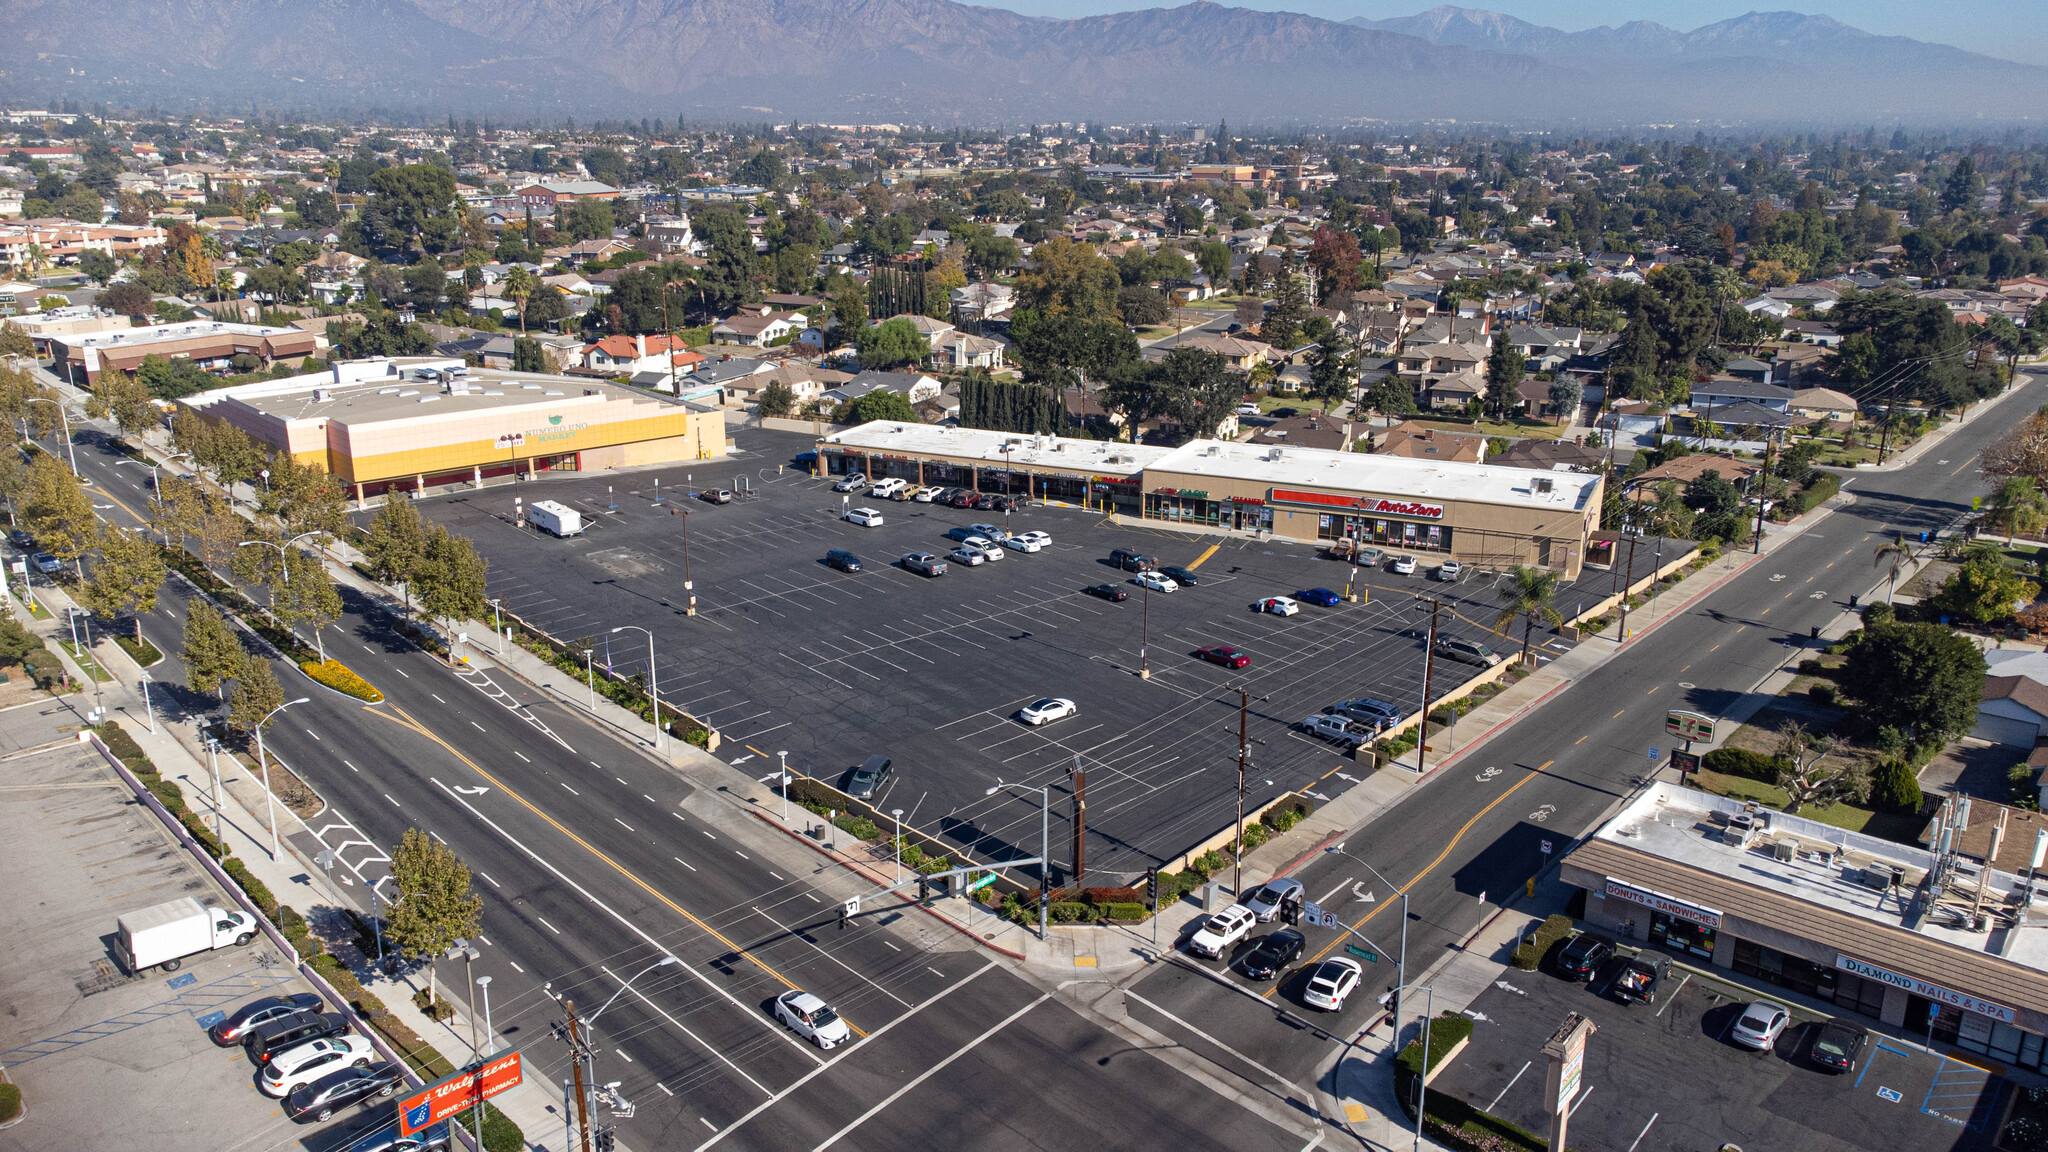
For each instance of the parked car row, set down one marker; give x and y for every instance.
(311, 1060)
(1400, 564)
(1834, 1046)
(899, 489)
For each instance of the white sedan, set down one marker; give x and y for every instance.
(1022, 543)
(1221, 931)
(294, 1068)
(1042, 539)
(988, 547)
(1047, 710)
(1156, 581)
(1278, 605)
(1403, 566)
(1330, 982)
(811, 1018)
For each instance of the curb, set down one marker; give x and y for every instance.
(934, 913)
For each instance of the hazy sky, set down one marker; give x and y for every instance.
(2013, 29)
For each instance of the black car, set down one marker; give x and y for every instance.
(257, 1013)
(321, 1099)
(863, 782)
(267, 1040)
(843, 560)
(998, 504)
(387, 1139)
(1108, 592)
(1837, 1046)
(987, 503)
(1586, 952)
(1180, 576)
(1273, 952)
(21, 540)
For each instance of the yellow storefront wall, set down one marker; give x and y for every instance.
(684, 429)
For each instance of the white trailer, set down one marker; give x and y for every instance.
(555, 518)
(161, 937)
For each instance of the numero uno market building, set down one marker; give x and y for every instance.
(409, 424)
(1480, 514)
(1870, 925)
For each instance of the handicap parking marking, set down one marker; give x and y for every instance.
(1891, 1094)
(211, 1018)
(184, 981)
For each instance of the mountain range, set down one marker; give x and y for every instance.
(936, 61)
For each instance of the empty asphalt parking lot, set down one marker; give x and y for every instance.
(787, 654)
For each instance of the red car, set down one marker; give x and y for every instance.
(1228, 657)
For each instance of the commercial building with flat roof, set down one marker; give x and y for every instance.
(414, 423)
(81, 356)
(1930, 941)
(1476, 513)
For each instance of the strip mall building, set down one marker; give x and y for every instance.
(410, 424)
(1480, 514)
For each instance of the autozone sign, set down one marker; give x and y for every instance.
(1368, 505)
(439, 1101)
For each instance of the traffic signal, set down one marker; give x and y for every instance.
(1290, 908)
(603, 1140)
(842, 917)
(1152, 889)
(924, 890)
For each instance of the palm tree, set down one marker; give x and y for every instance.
(519, 286)
(1528, 593)
(1897, 554)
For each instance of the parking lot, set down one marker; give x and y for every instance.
(788, 654)
(79, 1031)
(1665, 1076)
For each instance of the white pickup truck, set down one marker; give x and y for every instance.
(161, 937)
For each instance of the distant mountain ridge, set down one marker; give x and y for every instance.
(937, 61)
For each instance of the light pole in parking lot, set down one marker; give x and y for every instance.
(783, 756)
(898, 814)
(1145, 645)
(653, 685)
(590, 677)
(1400, 963)
(1044, 844)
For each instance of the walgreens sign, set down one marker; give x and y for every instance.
(1364, 505)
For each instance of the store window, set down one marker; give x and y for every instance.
(1681, 935)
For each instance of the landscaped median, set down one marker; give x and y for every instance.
(338, 676)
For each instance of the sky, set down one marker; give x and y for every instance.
(2012, 29)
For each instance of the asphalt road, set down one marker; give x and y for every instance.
(787, 654)
(594, 862)
(1470, 840)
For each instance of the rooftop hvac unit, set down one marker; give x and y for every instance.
(320, 395)
(1544, 485)
(1275, 454)
(1881, 875)
(593, 391)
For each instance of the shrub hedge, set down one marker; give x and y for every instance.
(1744, 763)
(1528, 954)
(338, 676)
(10, 1102)
(257, 892)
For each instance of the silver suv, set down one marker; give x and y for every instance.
(1466, 651)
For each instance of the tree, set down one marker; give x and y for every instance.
(98, 266)
(1709, 495)
(892, 344)
(1530, 593)
(126, 399)
(1213, 258)
(128, 298)
(1985, 591)
(881, 404)
(589, 220)
(1335, 256)
(15, 341)
(1894, 787)
(1505, 368)
(1809, 777)
(776, 399)
(849, 308)
(1332, 370)
(1391, 395)
(1566, 394)
(126, 577)
(451, 579)
(1282, 325)
(519, 288)
(527, 355)
(56, 509)
(212, 653)
(304, 497)
(305, 596)
(434, 906)
(404, 201)
(1923, 678)
(1068, 277)
(1197, 390)
(1141, 306)
(548, 305)
(2018, 506)
(1893, 555)
(396, 544)
(256, 693)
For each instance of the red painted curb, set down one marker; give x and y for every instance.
(843, 862)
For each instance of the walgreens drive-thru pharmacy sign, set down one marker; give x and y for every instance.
(437, 1102)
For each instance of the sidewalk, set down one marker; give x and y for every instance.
(177, 750)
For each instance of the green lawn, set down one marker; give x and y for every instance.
(1889, 825)
(1512, 429)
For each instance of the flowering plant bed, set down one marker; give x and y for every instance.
(336, 675)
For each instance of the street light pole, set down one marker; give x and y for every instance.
(783, 756)
(590, 677)
(653, 687)
(213, 762)
(898, 814)
(490, 1036)
(498, 625)
(65, 416)
(270, 798)
(1044, 844)
(148, 712)
(1145, 645)
(1401, 963)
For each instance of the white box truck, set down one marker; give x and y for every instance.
(556, 518)
(161, 937)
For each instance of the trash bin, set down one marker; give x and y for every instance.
(1852, 600)
(1814, 633)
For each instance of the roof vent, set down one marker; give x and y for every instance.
(551, 392)
(410, 392)
(320, 396)
(593, 391)
(1276, 454)
(529, 387)
(429, 399)
(386, 391)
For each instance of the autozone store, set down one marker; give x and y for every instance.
(1476, 513)
(1094, 474)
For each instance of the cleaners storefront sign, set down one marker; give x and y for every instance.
(1362, 505)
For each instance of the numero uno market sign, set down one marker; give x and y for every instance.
(1669, 905)
(1365, 505)
(1922, 988)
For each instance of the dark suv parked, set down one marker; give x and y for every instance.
(1584, 953)
(272, 1038)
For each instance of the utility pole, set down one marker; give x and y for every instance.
(1428, 675)
(576, 1062)
(1621, 631)
(1763, 491)
(1891, 404)
(1080, 777)
(1237, 863)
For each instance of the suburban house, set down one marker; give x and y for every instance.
(1752, 370)
(1818, 332)
(543, 197)
(1453, 391)
(913, 386)
(1824, 404)
(1550, 456)
(628, 355)
(1310, 431)
(584, 251)
(2013, 711)
(1419, 443)
(1239, 354)
(738, 376)
(1768, 306)
(958, 350)
(803, 381)
(1686, 469)
(752, 331)
(1722, 391)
